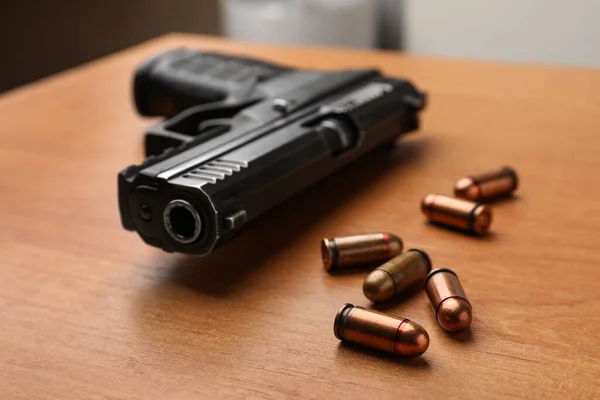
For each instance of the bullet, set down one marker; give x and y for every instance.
(351, 251)
(488, 185)
(452, 309)
(380, 331)
(462, 214)
(397, 275)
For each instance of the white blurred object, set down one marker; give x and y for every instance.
(550, 31)
(350, 23)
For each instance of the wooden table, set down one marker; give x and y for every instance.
(88, 311)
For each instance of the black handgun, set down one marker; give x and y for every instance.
(241, 135)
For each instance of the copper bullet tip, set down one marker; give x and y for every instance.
(412, 339)
(394, 243)
(379, 286)
(483, 219)
(467, 188)
(427, 202)
(454, 314)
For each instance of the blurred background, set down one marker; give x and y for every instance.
(42, 37)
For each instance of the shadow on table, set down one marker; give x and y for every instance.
(221, 272)
(465, 336)
(349, 350)
(488, 237)
(502, 200)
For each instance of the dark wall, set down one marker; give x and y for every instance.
(39, 38)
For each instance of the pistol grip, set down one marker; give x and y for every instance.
(179, 79)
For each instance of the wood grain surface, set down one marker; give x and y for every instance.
(88, 311)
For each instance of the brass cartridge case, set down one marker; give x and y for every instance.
(452, 309)
(350, 251)
(380, 331)
(457, 213)
(397, 275)
(488, 185)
